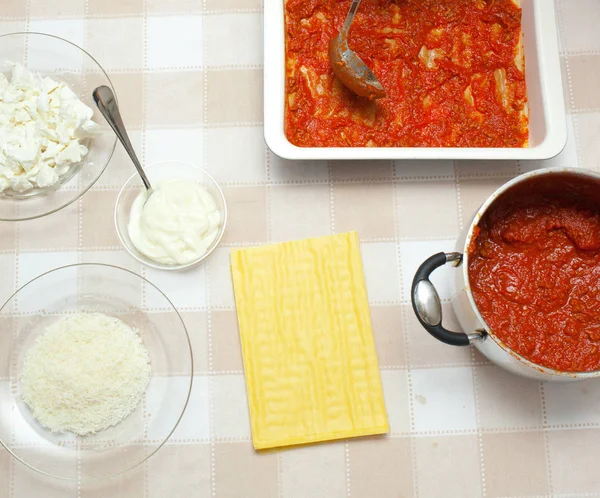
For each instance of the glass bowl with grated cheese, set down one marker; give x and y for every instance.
(96, 371)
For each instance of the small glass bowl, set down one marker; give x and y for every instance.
(157, 172)
(113, 291)
(65, 62)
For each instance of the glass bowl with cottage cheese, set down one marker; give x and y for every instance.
(179, 223)
(96, 371)
(54, 143)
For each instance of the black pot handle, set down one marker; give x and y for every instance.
(428, 307)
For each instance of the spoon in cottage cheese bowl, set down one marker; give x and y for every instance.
(175, 222)
(107, 105)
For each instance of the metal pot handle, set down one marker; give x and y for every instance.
(427, 306)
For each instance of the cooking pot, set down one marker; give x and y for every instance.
(427, 306)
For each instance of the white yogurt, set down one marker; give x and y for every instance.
(176, 224)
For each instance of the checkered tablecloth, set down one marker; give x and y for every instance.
(188, 74)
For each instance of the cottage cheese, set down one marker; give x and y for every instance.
(42, 124)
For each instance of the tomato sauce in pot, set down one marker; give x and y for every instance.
(534, 271)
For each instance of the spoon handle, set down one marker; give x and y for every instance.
(350, 16)
(107, 104)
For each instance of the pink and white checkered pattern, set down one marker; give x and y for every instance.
(188, 74)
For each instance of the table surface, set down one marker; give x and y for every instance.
(190, 90)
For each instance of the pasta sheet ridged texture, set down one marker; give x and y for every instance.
(309, 355)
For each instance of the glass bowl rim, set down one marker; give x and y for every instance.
(80, 192)
(157, 266)
(189, 391)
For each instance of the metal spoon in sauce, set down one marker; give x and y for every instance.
(349, 67)
(107, 104)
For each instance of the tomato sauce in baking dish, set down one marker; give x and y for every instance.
(453, 72)
(534, 271)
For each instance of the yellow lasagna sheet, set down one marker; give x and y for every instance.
(309, 355)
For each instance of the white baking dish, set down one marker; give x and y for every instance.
(547, 120)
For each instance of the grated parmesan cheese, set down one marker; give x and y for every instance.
(85, 373)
